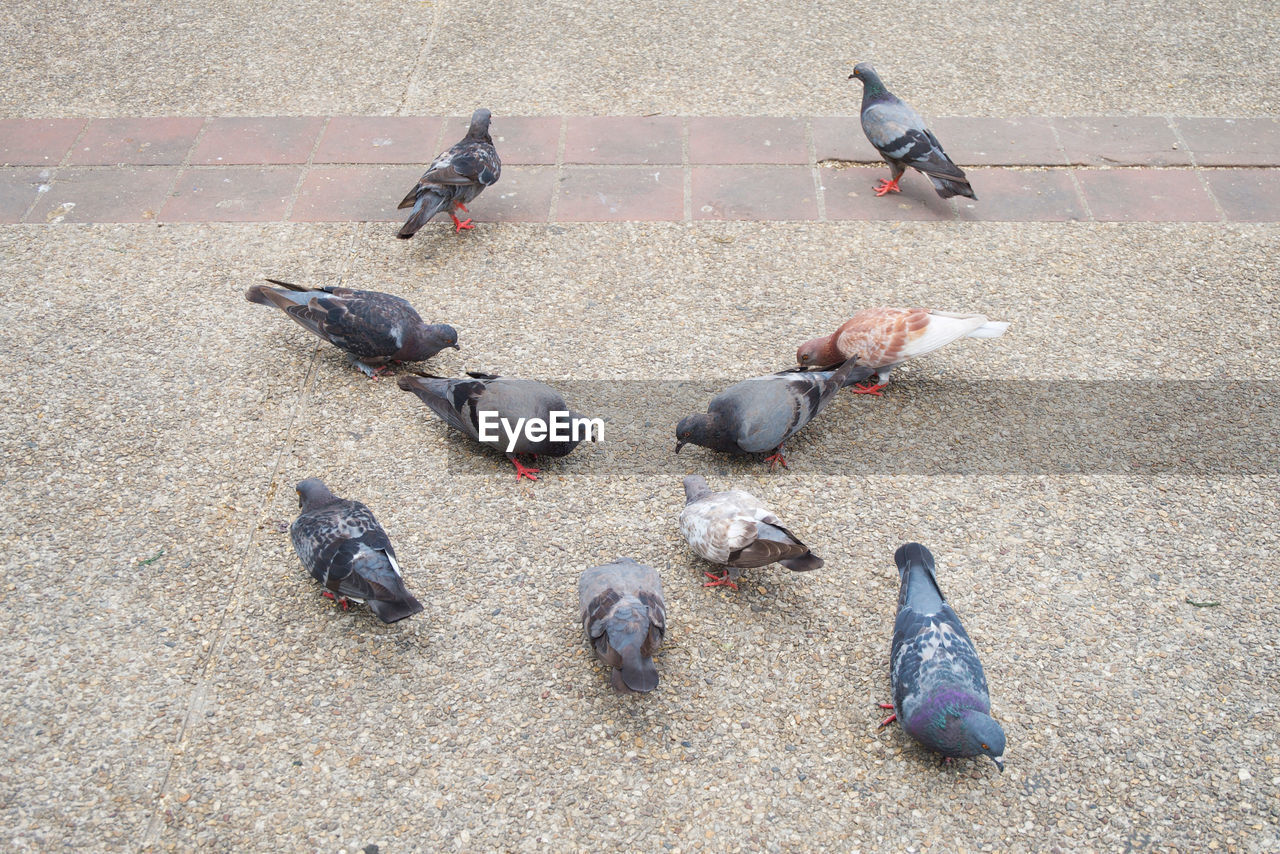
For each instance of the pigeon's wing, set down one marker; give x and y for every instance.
(760, 413)
(469, 162)
(899, 134)
(321, 538)
(717, 526)
(886, 336)
(453, 401)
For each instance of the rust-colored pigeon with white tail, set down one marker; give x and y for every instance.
(883, 338)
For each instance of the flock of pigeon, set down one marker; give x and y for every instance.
(939, 690)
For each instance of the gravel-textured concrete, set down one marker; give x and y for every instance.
(705, 57)
(172, 679)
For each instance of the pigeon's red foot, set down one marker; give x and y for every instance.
(893, 717)
(887, 186)
(524, 471)
(460, 225)
(343, 601)
(720, 580)
(460, 206)
(774, 459)
(869, 388)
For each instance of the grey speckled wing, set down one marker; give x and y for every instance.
(939, 688)
(342, 545)
(624, 618)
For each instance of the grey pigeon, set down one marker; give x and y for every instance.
(939, 690)
(760, 414)
(735, 529)
(344, 548)
(454, 178)
(624, 617)
(466, 404)
(372, 327)
(899, 134)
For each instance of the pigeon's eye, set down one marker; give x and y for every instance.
(984, 747)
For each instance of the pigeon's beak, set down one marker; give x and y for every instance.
(455, 346)
(999, 760)
(680, 445)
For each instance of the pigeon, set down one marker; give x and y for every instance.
(454, 178)
(939, 691)
(760, 414)
(624, 617)
(496, 406)
(344, 548)
(899, 134)
(735, 529)
(882, 338)
(372, 327)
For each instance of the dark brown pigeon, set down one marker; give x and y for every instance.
(466, 405)
(758, 415)
(735, 529)
(344, 548)
(372, 327)
(454, 178)
(624, 617)
(899, 134)
(881, 338)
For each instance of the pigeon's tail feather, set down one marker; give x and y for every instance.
(288, 285)
(390, 611)
(948, 187)
(258, 294)
(990, 329)
(804, 563)
(428, 205)
(919, 583)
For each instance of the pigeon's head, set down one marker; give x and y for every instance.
(312, 493)
(817, 353)
(982, 735)
(479, 124)
(426, 340)
(864, 72)
(692, 428)
(695, 486)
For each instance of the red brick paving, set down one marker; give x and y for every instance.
(232, 194)
(1232, 142)
(850, 194)
(1146, 195)
(720, 140)
(140, 142)
(37, 142)
(379, 139)
(621, 194)
(18, 189)
(266, 141)
(1120, 141)
(754, 192)
(623, 140)
(733, 167)
(86, 194)
(1247, 195)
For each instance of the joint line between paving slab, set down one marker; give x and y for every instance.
(420, 61)
(200, 691)
(819, 192)
(686, 172)
(1075, 178)
(305, 171)
(558, 170)
(1195, 167)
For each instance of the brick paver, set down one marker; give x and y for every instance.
(614, 168)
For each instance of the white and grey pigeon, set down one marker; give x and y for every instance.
(939, 690)
(883, 338)
(758, 415)
(736, 530)
(454, 178)
(624, 618)
(344, 548)
(899, 134)
(373, 328)
(464, 404)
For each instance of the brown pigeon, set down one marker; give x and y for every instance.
(625, 618)
(882, 338)
(735, 529)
